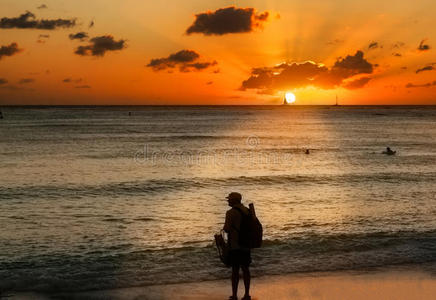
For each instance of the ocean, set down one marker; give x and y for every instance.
(109, 197)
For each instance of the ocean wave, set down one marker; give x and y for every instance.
(175, 184)
(121, 265)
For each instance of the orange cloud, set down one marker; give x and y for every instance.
(297, 75)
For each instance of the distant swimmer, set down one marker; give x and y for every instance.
(1, 115)
(389, 151)
(130, 113)
(307, 151)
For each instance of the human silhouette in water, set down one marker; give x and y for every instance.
(389, 151)
(240, 257)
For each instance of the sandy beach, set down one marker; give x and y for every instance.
(383, 285)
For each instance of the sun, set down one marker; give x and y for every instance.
(289, 97)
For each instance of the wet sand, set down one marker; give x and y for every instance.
(398, 285)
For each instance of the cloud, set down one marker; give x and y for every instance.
(298, 75)
(9, 50)
(422, 46)
(26, 80)
(185, 60)
(426, 68)
(425, 85)
(398, 45)
(3, 81)
(78, 36)
(335, 42)
(16, 88)
(100, 45)
(42, 6)
(68, 80)
(42, 37)
(227, 20)
(374, 45)
(28, 21)
(357, 84)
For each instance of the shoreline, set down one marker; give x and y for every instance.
(398, 284)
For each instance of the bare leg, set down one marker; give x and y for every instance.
(247, 278)
(235, 280)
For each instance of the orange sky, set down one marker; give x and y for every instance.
(320, 31)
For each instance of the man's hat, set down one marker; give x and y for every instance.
(234, 196)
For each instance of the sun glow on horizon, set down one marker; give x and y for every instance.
(290, 97)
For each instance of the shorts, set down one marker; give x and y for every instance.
(240, 257)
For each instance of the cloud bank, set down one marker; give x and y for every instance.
(100, 45)
(28, 21)
(227, 20)
(185, 60)
(298, 75)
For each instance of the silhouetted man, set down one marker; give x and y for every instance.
(240, 257)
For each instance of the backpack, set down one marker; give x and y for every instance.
(251, 231)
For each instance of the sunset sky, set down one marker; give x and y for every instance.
(217, 52)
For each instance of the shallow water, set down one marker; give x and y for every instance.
(94, 198)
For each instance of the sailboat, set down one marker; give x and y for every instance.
(284, 101)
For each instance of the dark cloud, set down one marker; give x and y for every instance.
(185, 60)
(398, 45)
(9, 50)
(42, 37)
(68, 80)
(42, 6)
(422, 46)
(396, 54)
(227, 20)
(26, 80)
(374, 45)
(82, 87)
(78, 36)
(352, 65)
(3, 81)
(100, 45)
(297, 75)
(426, 68)
(357, 84)
(335, 42)
(425, 85)
(12, 87)
(28, 21)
